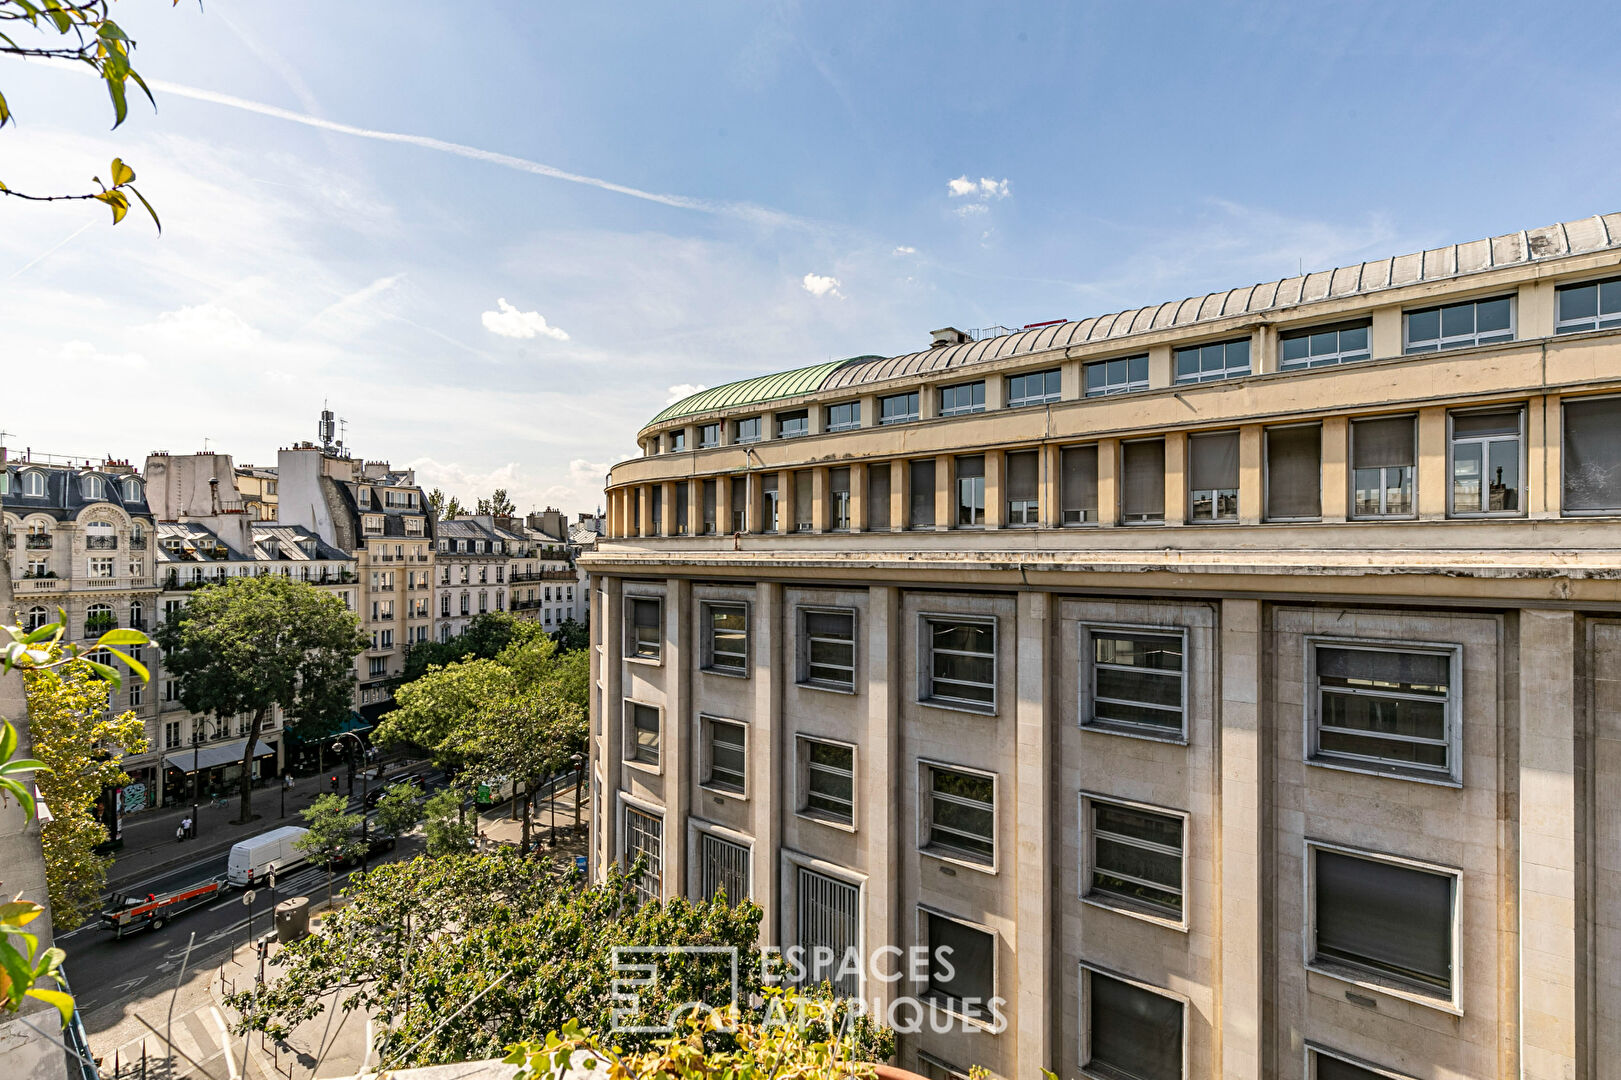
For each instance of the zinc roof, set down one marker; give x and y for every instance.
(757, 390)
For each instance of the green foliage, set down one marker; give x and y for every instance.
(398, 810)
(333, 835)
(497, 505)
(448, 832)
(38, 650)
(255, 643)
(573, 636)
(22, 970)
(81, 745)
(14, 770)
(486, 635)
(458, 958)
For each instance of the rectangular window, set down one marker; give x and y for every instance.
(1131, 1032)
(962, 400)
(1458, 326)
(725, 868)
(845, 416)
(1119, 376)
(642, 740)
(1036, 388)
(1331, 1065)
(709, 506)
(1486, 461)
(740, 504)
(1079, 465)
(746, 430)
(1385, 709)
(793, 424)
(838, 495)
(1023, 480)
(727, 756)
(101, 568)
(1390, 919)
(829, 930)
(726, 638)
(971, 491)
(646, 634)
(770, 503)
(898, 408)
(959, 662)
(171, 731)
(708, 435)
(1213, 477)
(1325, 346)
(1135, 856)
(1142, 481)
(1592, 305)
(959, 814)
(921, 512)
(804, 506)
(828, 649)
(827, 780)
(1207, 363)
(678, 441)
(1592, 455)
(1383, 455)
(933, 1068)
(644, 836)
(962, 965)
(655, 510)
(878, 496)
(683, 510)
(1294, 472)
(1136, 681)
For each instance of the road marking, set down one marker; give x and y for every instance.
(225, 1042)
(132, 984)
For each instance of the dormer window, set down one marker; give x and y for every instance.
(34, 484)
(92, 487)
(132, 489)
(364, 496)
(5, 483)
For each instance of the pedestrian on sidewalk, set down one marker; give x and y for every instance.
(187, 832)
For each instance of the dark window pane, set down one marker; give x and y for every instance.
(1578, 303)
(1457, 320)
(1395, 920)
(1424, 325)
(1491, 316)
(1134, 1034)
(972, 953)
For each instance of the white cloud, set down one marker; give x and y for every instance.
(683, 390)
(512, 323)
(208, 325)
(984, 188)
(904, 250)
(821, 285)
(88, 359)
(971, 209)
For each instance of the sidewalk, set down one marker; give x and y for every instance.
(498, 826)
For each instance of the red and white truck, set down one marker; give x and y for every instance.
(130, 913)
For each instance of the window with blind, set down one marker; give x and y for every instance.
(725, 754)
(793, 424)
(644, 837)
(723, 868)
(959, 814)
(1591, 460)
(827, 653)
(1384, 709)
(1294, 472)
(829, 917)
(838, 495)
(1022, 477)
(740, 504)
(827, 780)
(683, 506)
(921, 512)
(1383, 456)
(878, 516)
(962, 965)
(770, 503)
(1131, 1032)
(643, 617)
(655, 509)
(959, 662)
(1213, 477)
(804, 511)
(1135, 857)
(641, 733)
(1078, 466)
(726, 638)
(1390, 919)
(1486, 449)
(1142, 481)
(1136, 681)
(708, 495)
(970, 490)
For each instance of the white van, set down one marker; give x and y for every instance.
(261, 853)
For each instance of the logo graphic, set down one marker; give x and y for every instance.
(645, 976)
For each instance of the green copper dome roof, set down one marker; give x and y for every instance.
(756, 391)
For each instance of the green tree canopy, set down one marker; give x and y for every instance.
(254, 644)
(447, 830)
(399, 810)
(486, 635)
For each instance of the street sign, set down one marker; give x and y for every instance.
(484, 794)
(270, 882)
(247, 898)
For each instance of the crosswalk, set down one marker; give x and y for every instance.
(196, 1047)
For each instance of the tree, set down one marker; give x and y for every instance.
(333, 837)
(255, 643)
(82, 746)
(429, 711)
(486, 635)
(573, 636)
(399, 809)
(448, 832)
(436, 503)
(497, 505)
(80, 31)
(458, 958)
(524, 736)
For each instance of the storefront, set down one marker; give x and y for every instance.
(218, 767)
(141, 793)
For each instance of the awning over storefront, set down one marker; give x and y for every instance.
(216, 754)
(353, 722)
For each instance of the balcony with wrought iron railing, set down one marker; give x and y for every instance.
(37, 542)
(101, 543)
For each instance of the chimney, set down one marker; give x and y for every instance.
(946, 336)
(214, 495)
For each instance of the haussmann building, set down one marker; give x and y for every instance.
(1234, 684)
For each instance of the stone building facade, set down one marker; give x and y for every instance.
(1231, 683)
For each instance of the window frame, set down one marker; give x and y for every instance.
(1565, 402)
(1013, 401)
(706, 638)
(854, 416)
(1112, 389)
(1135, 909)
(1597, 319)
(627, 804)
(1440, 339)
(960, 410)
(631, 647)
(1087, 683)
(1226, 372)
(630, 746)
(937, 1001)
(1214, 519)
(1084, 1016)
(698, 831)
(780, 422)
(802, 645)
(1333, 359)
(925, 667)
(1266, 469)
(1523, 490)
(914, 414)
(802, 791)
(33, 484)
(1452, 709)
(924, 795)
(737, 430)
(706, 756)
(1351, 470)
(704, 442)
(1344, 971)
(1315, 1050)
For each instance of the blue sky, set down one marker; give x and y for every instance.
(794, 165)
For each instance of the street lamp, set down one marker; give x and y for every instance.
(196, 777)
(579, 764)
(365, 774)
